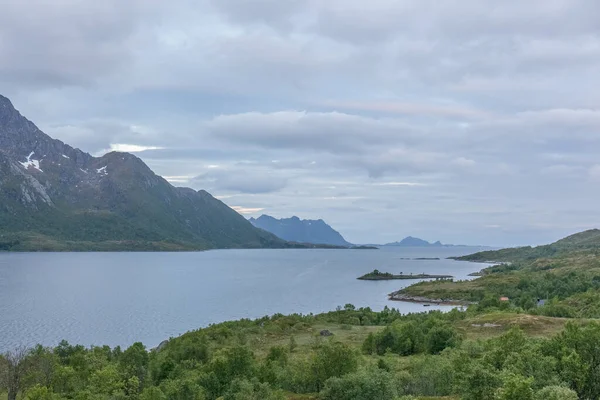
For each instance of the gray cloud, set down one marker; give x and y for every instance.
(63, 42)
(331, 108)
(240, 180)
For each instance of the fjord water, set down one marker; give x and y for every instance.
(121, 298)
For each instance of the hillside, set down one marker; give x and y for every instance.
(301, 231)
(584, 241)
(349, 354)
(565, 274)
(55, 197)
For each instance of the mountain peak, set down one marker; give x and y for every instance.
(294, 229)
(5, 102)
(67, 196)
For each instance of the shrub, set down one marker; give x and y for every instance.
(363, 385)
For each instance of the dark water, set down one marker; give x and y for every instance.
(120, 298)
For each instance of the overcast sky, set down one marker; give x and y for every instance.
(465, 121)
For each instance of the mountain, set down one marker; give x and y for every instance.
(55, 197)
(301, 231)
(578, 243)
(415, 242)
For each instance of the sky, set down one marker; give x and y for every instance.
(465, 121)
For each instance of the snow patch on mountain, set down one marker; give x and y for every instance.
(31, 163)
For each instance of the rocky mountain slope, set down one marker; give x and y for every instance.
(55, 197)
(301, 231)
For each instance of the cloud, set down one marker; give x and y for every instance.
(81, 41)
(398, 184)
(439, 110)
(464, 162)
(332, 131)
(246, 211)
(595, 172)
(240, 180)
(427, 118)
(132, 148)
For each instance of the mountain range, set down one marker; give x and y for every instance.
(298, 230)
(56, 197)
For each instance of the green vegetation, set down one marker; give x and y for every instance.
(376, 275)
(371, 355)
(565, 275)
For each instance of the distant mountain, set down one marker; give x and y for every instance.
(55, 197)
(415, 242)
(302, 231)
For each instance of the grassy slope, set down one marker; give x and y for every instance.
(305, 335)
(578, 244)
(261, 339)
(575, 257)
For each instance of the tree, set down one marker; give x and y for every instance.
(227, 365)
(556, 393)
(245, 390)
(41, 393)
(516, 387)
(134, 362)
(364, 385)
(14, 366)
(278, 355)
(332, 360)
(441, 337)
(106, 381)
(45, 364)
(481, 384)
(152, 393)
(182, 389)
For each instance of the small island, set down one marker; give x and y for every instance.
(376, 275)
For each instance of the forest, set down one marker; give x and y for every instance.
(346, 354)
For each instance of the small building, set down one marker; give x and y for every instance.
(504, 299)
(541, 302)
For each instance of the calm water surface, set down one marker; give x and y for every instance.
(120, 298)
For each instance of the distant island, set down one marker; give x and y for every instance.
(376, 275)
(411, 241)
(364, 247)
(299, 230)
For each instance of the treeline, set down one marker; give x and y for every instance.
(412, 355)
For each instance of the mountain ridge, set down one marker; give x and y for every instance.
(582, 241)
(55, 196)
(298, 230)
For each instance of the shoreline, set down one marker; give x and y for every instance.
(396, 296)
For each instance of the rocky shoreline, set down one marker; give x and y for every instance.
(397, 296)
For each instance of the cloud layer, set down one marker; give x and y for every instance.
(467, 121)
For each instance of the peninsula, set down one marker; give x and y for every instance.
(376, 275)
